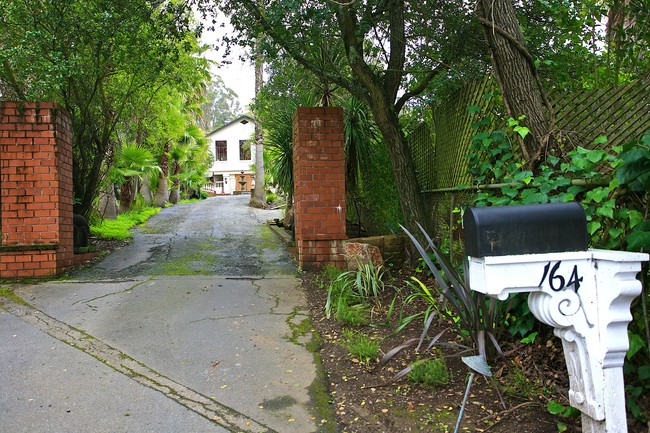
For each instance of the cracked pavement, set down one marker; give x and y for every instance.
(191, 328)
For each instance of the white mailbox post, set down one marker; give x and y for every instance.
(584, 295)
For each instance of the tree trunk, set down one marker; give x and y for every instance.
(162, 192)
(380, 94)
(258, 198)
(145, 190)
(175, 193)
(515, 71)
(126, 195)
(403, 168)
(108, 203)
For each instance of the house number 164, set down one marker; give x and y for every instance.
(557, 281)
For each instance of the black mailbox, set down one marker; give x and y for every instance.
(525, 229)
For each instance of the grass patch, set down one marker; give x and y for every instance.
(516, 383)
(8, 293)
(119, 228)
(430, 372)
(353, 315)
(188, 200)
(360, 346)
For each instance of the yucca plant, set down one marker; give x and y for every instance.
(476, 316)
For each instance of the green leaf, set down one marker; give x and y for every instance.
(637, 240)
(522, 131)
(601, 139)
(644, 372)
(636, 218)
(529, 197)
(555, 408)
(615, 232)
(636, 343)
(524, 176)
(473, 109)
(598, 194)
(596, 156)
(530, 338)
(568, 197)
(606, 209)
(593, 227)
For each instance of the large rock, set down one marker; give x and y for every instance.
(357, 252)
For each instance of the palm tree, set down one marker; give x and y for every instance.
(189, 155)
(162, 191)
(178, 155)
(132, 163)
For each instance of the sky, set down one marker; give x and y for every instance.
(238, 75)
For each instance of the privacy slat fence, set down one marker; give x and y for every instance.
(439, 150)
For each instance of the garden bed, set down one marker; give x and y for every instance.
(366, 398)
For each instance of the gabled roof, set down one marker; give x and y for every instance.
(241, 119)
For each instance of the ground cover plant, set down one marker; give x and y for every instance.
(119, 228)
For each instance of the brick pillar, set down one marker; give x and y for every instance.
(35, 190)
(319, 186)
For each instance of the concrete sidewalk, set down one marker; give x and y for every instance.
(155, 338)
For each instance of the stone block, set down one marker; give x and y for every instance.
(357, 252)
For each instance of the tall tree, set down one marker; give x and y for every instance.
(220, 107)
(94, 57)
(389, 58)
(258, 198)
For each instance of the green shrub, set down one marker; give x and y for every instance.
(351, 293)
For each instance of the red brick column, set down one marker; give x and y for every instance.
(35, 190)
(319, 186)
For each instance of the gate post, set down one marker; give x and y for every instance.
(36, 225)
(319, 186)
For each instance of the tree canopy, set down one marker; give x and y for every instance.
(110, 63)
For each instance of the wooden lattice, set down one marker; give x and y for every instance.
(622, 114)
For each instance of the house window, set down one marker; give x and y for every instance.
(221, 150)
(244, 150)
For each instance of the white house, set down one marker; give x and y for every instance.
(234, 155)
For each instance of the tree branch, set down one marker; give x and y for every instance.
(11, 79)
(254, 10)
(418, 89)
(393, 77)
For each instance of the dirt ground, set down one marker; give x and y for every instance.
(368, 400)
